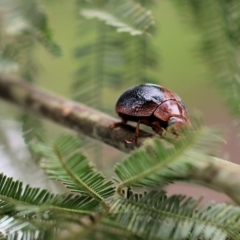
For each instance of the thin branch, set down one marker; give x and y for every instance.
(214, 172)
(70, 114)
(218, 174)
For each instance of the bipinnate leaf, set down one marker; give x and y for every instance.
(30, 212)
(64, 162)
(176, 217)
(125, 15)
(15, 197)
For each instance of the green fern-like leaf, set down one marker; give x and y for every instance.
(156, 216)
(14, 197)
(126, 16)
(32, 212)
(64, 162)
(161, 165)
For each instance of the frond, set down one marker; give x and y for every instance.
(156, 216)
(33, 212)
(64, 162)
(126, 16)
(164, 164)
(14, 197)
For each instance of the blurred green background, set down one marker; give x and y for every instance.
(180, 69)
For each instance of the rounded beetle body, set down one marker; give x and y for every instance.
(152, 105)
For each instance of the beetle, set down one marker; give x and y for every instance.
(154, 106)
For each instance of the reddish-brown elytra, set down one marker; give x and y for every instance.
(154, 106)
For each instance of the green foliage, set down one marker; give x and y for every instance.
(156, 216)
(29, 200)
(64, 162)
(31, 212)
(126, 16)
(152, 215)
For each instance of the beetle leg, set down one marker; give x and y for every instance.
(136, 134)
(137, 130)
(118, 124)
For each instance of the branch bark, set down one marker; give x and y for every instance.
(217, 173)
